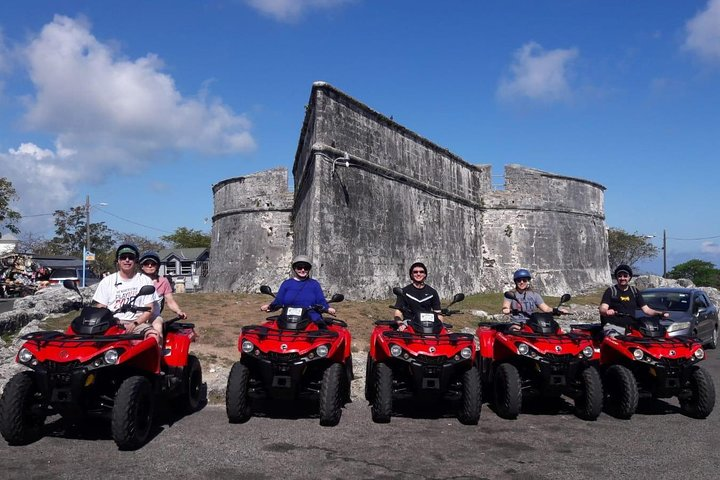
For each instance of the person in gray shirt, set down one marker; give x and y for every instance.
(526, 301)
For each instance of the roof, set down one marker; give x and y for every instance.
(184, 254)
(57, 261)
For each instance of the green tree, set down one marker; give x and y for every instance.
(143, 243)
(702, 273)
(187, 238)
(8, 216)
(70, 228)
(628, 248)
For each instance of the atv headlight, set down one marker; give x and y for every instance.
(247, 346)
(25, 355)
(523, 348)
(466, 352)
(699, 353)
(111, 357)
(638, 354)
(322, 351)
(395, 350)
(674, 327)
(588, 352)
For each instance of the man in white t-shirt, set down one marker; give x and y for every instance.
(119, 288)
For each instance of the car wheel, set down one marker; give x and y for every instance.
(237, 400)
(381, 408)
(471, 404)
(508, 392)
(621, 392)
(132, 414)
(588, 404)
(20, 424)
(713, 340)
(331, 395)
(702, 399)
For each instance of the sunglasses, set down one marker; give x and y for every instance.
(415, 272)
(127, 256)
(149, 263)
(522, 280)
(622, 275)
(302, 268)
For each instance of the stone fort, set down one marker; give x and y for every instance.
(371, 197)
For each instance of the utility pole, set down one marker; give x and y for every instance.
(664, 253)
(87, 223)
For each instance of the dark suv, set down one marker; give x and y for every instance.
(691, 312)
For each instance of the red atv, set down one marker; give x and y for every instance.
(289, 356)
(425, 362)
(647, 362)
(536, 358)
(95, 369)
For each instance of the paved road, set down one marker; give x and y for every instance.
(657, 443)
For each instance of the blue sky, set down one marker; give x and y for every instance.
(146, 105)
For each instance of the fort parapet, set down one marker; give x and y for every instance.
(371, 197)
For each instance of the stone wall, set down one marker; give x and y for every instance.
(372, 197)
(252, 236)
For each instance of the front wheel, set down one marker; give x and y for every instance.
(508, 391)
(20, 419)
(381, 408)
(621, 392)
(469, 413)
(237, 400)
(331, 395)
(132, 413)
(588, 404)
(702, 399)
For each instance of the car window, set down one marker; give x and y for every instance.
(63, 273)
(667, 301)
(700, 302)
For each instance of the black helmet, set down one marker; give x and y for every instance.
(417, 264)
(623, 268)
(521, 273)
(150, 255)
(126, 248)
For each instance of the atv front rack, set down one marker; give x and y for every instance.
(663, 342)
(439, 338)
(265, 332)
(60, 337)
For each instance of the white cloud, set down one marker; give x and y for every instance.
(113, 112)
(703, 33)
(292, 10)
(42, 180)
(710, 247)
(537, 74)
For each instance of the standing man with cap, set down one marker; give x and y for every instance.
(118, 288)
(621, 298)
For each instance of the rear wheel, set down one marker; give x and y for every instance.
(331, 395)
(508, 392)
(189, 401)
(369, 377)
(381, 408)
(702, 401)
(132, 413)
(237, 400)
(621, 392)
(469, 413)
(588, 404)
(20, 420)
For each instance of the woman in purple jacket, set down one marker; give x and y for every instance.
(301, 291)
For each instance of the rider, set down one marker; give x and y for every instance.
(417, 296)
(117, 289)
(150, 264)
(526, 300)
(301, 291)
(623, 299)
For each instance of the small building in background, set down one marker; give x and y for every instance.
(8, 242)
(186, 267)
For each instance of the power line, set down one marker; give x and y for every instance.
(702, 238)
(134, 223)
